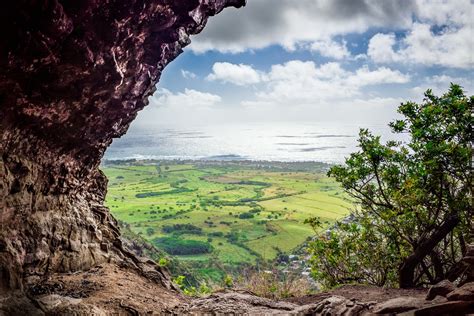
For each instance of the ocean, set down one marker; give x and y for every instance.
(322, 142)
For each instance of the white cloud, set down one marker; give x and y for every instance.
(443, 12)
(240, 75)
(450, 48)
(297, 82)
(288, 22)
(188, 74)
(188, 98)
(438, 32)
(439, 84)
(443, 37)
(382, 75)
(380, 48)
(331, 49)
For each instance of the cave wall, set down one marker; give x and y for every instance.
(73, 75)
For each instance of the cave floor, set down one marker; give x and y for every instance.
(111, 289)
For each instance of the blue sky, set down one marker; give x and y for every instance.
(316, 60)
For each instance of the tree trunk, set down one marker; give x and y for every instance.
(425, 247)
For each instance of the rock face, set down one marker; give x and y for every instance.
(73, 75)
(441, 289)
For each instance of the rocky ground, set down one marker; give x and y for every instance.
(112, 289)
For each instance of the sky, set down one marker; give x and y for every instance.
(316, 60)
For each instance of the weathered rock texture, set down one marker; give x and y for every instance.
(73, 75)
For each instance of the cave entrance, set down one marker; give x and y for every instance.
(194, 184)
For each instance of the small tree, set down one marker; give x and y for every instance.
(414, 199)
(150, 231)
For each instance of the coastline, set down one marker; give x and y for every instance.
(314, 166)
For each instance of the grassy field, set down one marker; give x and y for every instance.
(222, 214)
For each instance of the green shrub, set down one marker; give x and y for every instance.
(216, 234)
(150, 231)
(228, 281)
(246, 215)
(163, 262)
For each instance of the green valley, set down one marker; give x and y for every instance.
(219, 216)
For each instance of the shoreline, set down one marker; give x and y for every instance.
(264, 164)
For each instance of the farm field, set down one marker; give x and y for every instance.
(222, 214)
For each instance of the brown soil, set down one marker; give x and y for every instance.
(115, 290)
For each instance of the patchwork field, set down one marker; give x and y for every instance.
(224, 213)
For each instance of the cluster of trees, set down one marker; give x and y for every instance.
(180, 229)
(177, 246)
(246, 215)
(172, 191)
(414, 200)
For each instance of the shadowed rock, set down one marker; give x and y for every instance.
(441, 289)
(73, 75)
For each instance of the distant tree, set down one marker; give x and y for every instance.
(150, 231)
(246, 215)
(414, 200)
(233, 237)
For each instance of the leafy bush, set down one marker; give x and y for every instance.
(228, 281)
(163, 262)
(341, 256)
(201, 290)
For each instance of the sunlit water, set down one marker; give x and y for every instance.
(323, 142)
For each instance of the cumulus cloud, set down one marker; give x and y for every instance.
(382, 75)
(380, 48)
(240, 74)
(449, 48)
(438, 32)
(188, 98)
(303, 83)
(442, 37)
(330, 48)
(288, 22)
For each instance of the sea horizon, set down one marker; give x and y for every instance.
(272, 142)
